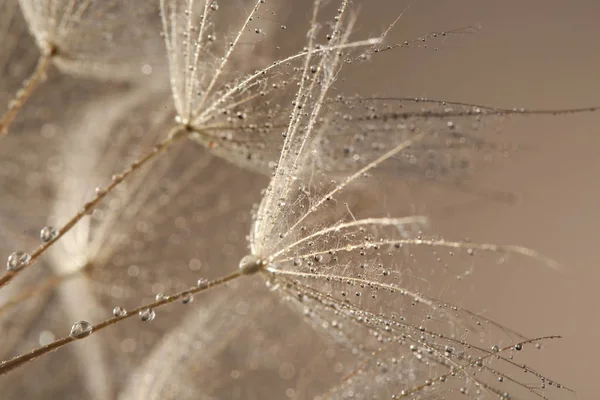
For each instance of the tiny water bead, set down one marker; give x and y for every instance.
(119, 311)
(187, 298)
(48, 233)
(147, 315)
(17, 260)
(201, 282)
(80, 330)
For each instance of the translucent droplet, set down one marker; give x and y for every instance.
(160, 296)
(251, 264)
(46, 337)
(81, 329)
(119, 311)
(147, 315)
(17, 260)
(202, 282)
(48, 233)
(214, 6)
(187, 298)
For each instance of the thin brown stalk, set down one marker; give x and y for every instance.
(25, 358)
(174, 135)
(27, 89)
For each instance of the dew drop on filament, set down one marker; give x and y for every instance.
(80, 330)
(17, 260)
(187, 298)
(119, 311)
(147, 315)
(48, 233)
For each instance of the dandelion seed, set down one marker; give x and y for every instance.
(78, 37)
(83, 269)
(196, 116)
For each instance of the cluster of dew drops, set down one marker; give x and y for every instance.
(19, 259)
(82, 329)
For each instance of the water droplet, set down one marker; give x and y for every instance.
(17, 260)
(187, 298)
(48, 233)
(160, 296)
(214, 6)
(119, 311)
(202, 282)
(147, 315)
(81, 329)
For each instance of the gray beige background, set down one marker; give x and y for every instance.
(526, 53)
(529, 53)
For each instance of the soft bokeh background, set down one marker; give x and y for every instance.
(526, 53)
(538, 54)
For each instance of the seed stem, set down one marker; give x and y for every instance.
(176, 133)
(27, 88)
(23, 359)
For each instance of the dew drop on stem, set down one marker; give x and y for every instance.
(17, 260)
(147, 315)
(119, 311)
(48, 233)
(187, 298)
(80, 330)
(201, 282)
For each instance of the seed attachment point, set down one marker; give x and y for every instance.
(251, 264)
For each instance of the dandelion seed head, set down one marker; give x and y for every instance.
(351, 299)
(95, 38)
